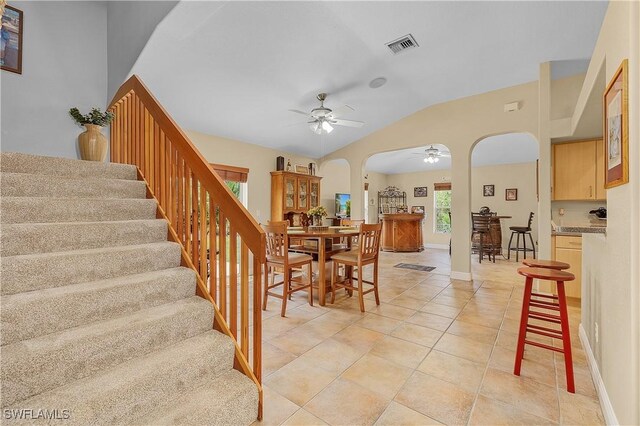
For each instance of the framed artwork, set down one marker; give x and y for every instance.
(417, 209)
(11, 39)
(616, 129)
(301, 168)
(511, 194)
(420, 191)
(488, 190)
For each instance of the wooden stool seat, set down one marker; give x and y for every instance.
(552, 309)
(548, 264)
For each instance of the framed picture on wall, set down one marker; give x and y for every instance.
(616, 129)
(11, 36)
(511, 194)
(488, 190)
(301, 168)
(420, 191)
(417, 209)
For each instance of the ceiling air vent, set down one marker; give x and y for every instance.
(402, 44)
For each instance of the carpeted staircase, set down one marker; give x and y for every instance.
(98, 317)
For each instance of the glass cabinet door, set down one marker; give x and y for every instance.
(314, 195)
(289, 193)
(303, 194)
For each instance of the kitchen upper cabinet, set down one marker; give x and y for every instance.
(578, 170)
(293, 192)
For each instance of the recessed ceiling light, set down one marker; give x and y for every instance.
(377, 82)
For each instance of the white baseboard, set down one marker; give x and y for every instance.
(437, 246)
(605, 403)
(462, 276)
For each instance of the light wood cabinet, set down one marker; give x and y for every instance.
(568, 249)
(293, 192)
(578, 170)
(401, 232)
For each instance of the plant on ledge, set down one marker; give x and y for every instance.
(95, 117)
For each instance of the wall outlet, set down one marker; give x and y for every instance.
(597, 333)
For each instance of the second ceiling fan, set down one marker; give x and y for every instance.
(322, 119)
(433, 155)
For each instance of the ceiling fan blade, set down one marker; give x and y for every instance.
(297, 111)
(348, 123)
(340, 111)
(444, 154)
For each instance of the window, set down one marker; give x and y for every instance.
(442, 208)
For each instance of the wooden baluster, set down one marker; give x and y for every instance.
(195, 226)
(257, 316)
(145, 152)
(222, 270)
(112, 135)
(244, 299)
(163, 173)
(140, 136)
(187, 209)
(114, 154)
(125, 128)
(213, 250)
(180, 197)
(172, 187)
(204, 241)
(134, 130)
(233, 280)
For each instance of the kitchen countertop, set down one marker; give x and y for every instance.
(577, 229)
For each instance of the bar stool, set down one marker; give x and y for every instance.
(524, 231)
(548, 264)
(551, 303)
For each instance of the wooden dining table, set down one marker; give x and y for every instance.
(322, 250)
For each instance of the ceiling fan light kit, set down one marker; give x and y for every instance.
(322, 119)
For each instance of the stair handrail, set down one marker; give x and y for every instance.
(144, 134)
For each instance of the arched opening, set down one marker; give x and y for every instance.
(419, 172)
(504, 182)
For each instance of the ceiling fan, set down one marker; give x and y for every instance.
(433, 155)
(322, 119)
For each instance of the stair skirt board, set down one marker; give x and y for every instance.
(98, 317)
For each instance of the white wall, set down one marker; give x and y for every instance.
(335, 179)
(521, 176)
(64, 64)
(130, 24)
(611, 272)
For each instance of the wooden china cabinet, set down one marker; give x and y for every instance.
(293, 193)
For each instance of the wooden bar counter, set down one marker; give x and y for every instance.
(401, 232)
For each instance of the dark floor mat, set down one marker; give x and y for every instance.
(415, 267)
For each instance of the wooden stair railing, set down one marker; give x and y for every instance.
(219, 238)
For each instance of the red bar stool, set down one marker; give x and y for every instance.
(547, 264)
(551, 303)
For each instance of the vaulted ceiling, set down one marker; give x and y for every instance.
(235, 69)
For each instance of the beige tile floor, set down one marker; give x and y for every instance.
(436, 351)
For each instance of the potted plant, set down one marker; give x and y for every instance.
(317, 213)
(92, 143)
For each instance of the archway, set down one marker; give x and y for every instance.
(407, 170)
(504, 180)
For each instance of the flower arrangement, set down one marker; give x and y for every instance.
(317, 211)
(96, 117)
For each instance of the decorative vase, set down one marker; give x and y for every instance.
(317, 220)
(92, 143)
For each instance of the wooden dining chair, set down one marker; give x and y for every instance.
(481, 229)
(344, 241)
(354, 262)
(281, 260)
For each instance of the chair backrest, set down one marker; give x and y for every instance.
(480, 222)
(351, 222)
(277, 241)
(530, 221)
(369, 241)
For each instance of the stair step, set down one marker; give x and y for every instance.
(37, 365)
(32, 238)
(39, 271)
(36, 185)
(47, 210)
(14, 162)
(231, 399)
(37, 313)
(116, 395)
